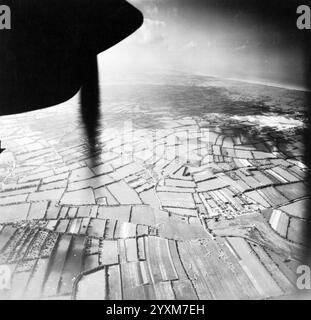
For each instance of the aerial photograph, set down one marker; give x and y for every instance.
(154, 150)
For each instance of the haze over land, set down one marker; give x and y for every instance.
(221, 38)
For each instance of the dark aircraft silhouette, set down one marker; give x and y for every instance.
(51, 50)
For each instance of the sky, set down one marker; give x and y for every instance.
(241, 39)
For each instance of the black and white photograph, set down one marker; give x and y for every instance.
(155, 150)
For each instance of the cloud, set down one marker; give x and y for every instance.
(151, 8)
(145, 1)
(240, 48)
(146, 4)
(191, 45)
(151, 32)
(152, 11)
